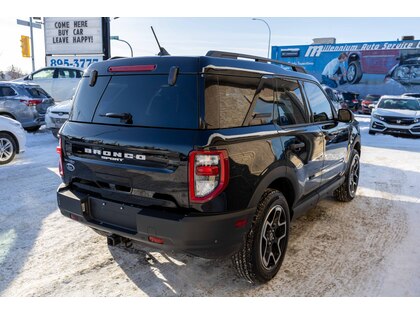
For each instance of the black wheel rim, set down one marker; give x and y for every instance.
(354, 175)
(273, 237)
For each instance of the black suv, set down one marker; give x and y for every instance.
(210, 155)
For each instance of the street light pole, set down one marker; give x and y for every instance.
(269, 34)
(121, 40)
(32, 45)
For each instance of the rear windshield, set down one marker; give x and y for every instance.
(37, 92)
(150, 100)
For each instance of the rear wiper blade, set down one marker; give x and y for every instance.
(124, 117)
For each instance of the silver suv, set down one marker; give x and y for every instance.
(24, 102)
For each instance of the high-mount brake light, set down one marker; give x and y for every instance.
(208, 174)
(135, 68)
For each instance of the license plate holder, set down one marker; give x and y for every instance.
(117, 214)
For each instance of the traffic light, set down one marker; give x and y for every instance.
(26, 46)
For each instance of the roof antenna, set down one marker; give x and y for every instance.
(162, 51)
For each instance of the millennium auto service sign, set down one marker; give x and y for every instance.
(73, 35)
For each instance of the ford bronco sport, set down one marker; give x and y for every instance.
(210, 155)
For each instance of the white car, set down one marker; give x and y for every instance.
(396, 115)
(57, 115)
(12, 139)
(59, 82)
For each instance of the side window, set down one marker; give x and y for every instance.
(228, 99)
(68, 74)
(290, 109)
(319, 104)
(65, 74)
(7, 91)
(44, 74)
(262, 112)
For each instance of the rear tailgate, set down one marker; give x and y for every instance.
(142, 159)
(127, 164)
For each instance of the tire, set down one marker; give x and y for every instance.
(372, 132)
(255, 261)
(347, 191)
(7, 148)
(354, 72)
(32, 129)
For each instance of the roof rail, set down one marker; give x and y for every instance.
(225, 54)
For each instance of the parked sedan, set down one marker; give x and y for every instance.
(12, 139)
(397, 115)
(57, 115)
(59, 82)
(369, 103)
(24, 102)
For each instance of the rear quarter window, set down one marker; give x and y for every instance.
(228, 99)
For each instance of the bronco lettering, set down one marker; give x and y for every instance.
(118, 155)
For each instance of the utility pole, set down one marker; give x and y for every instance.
(269, 34)
(32, 45)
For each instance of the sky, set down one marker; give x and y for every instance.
(196, 35)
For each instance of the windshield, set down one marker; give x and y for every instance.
(399, 104)
(372, 98)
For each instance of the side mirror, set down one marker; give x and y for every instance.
(345, 115)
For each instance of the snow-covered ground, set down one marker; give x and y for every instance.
(369, 247)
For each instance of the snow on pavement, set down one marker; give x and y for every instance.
(368, 247)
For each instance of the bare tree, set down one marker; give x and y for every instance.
(14, 72)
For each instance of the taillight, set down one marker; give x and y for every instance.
(366, 102)
(60, 160)
(208, 174)
(31, 102)
(355, 101)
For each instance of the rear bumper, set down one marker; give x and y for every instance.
(208, 236)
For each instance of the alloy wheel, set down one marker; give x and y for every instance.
(273, 237)
(6, 149)
(354, 175)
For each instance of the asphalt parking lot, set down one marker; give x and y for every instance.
(368, 247)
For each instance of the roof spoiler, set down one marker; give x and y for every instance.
(231, 55)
